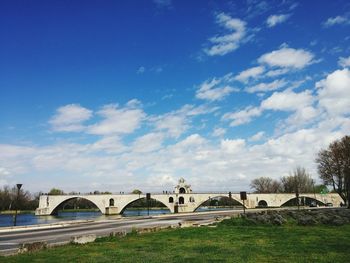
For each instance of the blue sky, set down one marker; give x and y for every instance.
(135, 94)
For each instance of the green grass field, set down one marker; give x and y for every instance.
(225, 243)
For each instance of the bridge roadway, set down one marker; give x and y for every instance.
(11, 238)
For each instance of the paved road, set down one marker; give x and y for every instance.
(10, 239)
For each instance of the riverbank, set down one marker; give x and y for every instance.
(233, 240)
(12, 212)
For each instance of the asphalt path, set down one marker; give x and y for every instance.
(12, 238)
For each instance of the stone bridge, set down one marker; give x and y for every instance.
(182, 200)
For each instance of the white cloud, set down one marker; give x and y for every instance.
(299, 104)
(273, 20)
(70, 118)
(4, 172)
(213, 90)
(134, 103)
(242, 116)
(288, 100)
(177, 122)
(227, 43)
(232, 146)
(344, 62)
(287, 58)
(276, 72)
(193, 140)
(219, 132)
(333, 93)
(109, 144)
(173, 124)
(117, 120)
(303, 115)
(191, 110)
(257, 137)
(250, 73)
(148, 143)
(162, 181)
(265, 87)
(338, 20)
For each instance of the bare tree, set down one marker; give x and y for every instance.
(298, 181)
(334, 167)
(265, 185)
(9, 199)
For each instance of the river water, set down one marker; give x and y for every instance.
(31, 219)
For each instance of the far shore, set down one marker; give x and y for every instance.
(12, 212)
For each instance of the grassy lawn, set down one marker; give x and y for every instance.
(225, 243)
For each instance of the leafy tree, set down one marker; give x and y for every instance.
(334, 167)
(265, 185)
(55, 191)
(299, 180)
(320, 189)
(136, 191)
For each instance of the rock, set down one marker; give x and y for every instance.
(324, 219)
(31, 247)
(118, 234)
(264, 219)
(278, 219)
(83, 239)
(338, 222)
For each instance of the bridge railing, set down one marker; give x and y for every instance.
(144, 193)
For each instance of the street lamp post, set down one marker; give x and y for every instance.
(17, 198)
(297, 196)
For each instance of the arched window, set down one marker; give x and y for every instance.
(181, 200)
(262, 203)
(171, 200)
(182, 190)
(111, 202)
(192, 199)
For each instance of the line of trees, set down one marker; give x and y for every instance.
(26, 200)
(299, 180)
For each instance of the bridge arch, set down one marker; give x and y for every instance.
(69, 198)
(303, 200)
(140, 198)
(213, 197)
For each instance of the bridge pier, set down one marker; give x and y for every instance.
(42, 211)
(112, 210)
